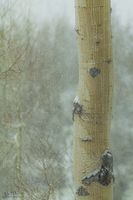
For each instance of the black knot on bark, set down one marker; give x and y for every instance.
(94, 72)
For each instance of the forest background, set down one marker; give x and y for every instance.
(38, 81)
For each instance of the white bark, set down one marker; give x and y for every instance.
(93, 29)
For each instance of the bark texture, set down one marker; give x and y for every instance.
(92, 106)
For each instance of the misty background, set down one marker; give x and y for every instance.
(38, 81)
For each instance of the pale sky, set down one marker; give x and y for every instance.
(45, 9)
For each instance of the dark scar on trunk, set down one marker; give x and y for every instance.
(82, 191)
(94, 72)
(103, 175)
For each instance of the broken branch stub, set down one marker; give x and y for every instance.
(77, 108)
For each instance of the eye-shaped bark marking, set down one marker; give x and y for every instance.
(94, 72)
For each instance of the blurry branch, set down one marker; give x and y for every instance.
(4, 157)
(33, 193)
(23, 187)
(50, 186)
(5, 73)
(42, 168)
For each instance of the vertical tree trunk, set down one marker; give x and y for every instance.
(92, 106)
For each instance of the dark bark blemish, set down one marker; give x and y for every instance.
(104, 174)
(98, 42)
(94, 72)
(108, 61)
(77, 31)
(82, 191)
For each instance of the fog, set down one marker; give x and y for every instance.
(45, 9)
(42, 10)
(38, 82)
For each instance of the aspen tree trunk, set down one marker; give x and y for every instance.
(92, 106)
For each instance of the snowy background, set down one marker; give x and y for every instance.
(38, 81)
